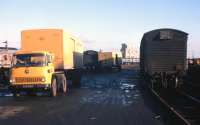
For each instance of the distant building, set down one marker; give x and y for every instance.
(128, 51)
(131, 52)
(6, 54)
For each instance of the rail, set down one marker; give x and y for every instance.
(188, 112)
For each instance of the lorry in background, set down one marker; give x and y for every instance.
(46, 60)
(109, 60)
(90, 59)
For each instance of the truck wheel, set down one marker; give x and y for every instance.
(54, 87)
(15, 93)
(64, 85)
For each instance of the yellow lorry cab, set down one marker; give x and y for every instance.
(32, 70)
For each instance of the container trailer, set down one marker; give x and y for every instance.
(110, 60)
(46, 60)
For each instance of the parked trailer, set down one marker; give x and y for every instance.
(110, 60)
(163, 57)
(47, 59)
(90, 59)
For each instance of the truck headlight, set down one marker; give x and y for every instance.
(43, 79)
(12, 80)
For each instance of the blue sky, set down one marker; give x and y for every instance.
(101, 24)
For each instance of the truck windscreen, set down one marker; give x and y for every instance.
(22, 60)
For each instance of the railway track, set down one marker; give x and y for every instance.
(190, 97)
(184, 106)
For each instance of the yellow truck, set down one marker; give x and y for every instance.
(48, 58)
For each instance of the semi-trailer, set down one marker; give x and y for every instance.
(110, 60)
(48, 58)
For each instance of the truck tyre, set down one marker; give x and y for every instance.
(53, 87)
(15, 93)
(64, 85)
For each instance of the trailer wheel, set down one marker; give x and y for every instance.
(64, 85)
(15, 93)
(53, 87)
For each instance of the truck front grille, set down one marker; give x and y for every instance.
(28, 79)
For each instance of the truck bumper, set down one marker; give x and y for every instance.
(30, 87)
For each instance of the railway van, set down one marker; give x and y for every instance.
(163, 57)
